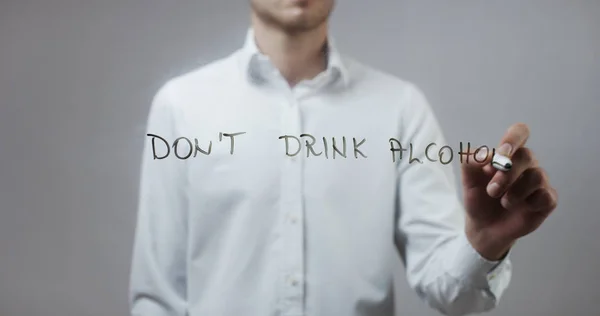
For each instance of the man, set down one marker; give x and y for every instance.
(268, 187)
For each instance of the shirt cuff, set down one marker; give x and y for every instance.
(468, 266)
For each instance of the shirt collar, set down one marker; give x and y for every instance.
(251, 57)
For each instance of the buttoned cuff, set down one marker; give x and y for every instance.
(468, 266)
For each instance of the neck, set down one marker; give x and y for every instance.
(297, 56)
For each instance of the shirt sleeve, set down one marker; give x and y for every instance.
(441, 265)
(158, 270)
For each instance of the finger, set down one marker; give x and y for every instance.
(474, 167)
(488, 169)
(543, 200)
(515, 137)
(522, 160)
(530, 181)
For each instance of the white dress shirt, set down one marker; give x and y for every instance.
(251, 229)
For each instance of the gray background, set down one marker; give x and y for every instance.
(77, 77)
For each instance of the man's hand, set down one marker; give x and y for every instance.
(504, 206)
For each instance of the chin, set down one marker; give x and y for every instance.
(301, 18)
(294, 15)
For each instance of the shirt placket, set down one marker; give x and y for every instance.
(293, 276)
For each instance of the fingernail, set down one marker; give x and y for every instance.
(482, 155)
(505, 149)
(506, 203)
(493, 189)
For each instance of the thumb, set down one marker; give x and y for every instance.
(476, 168)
